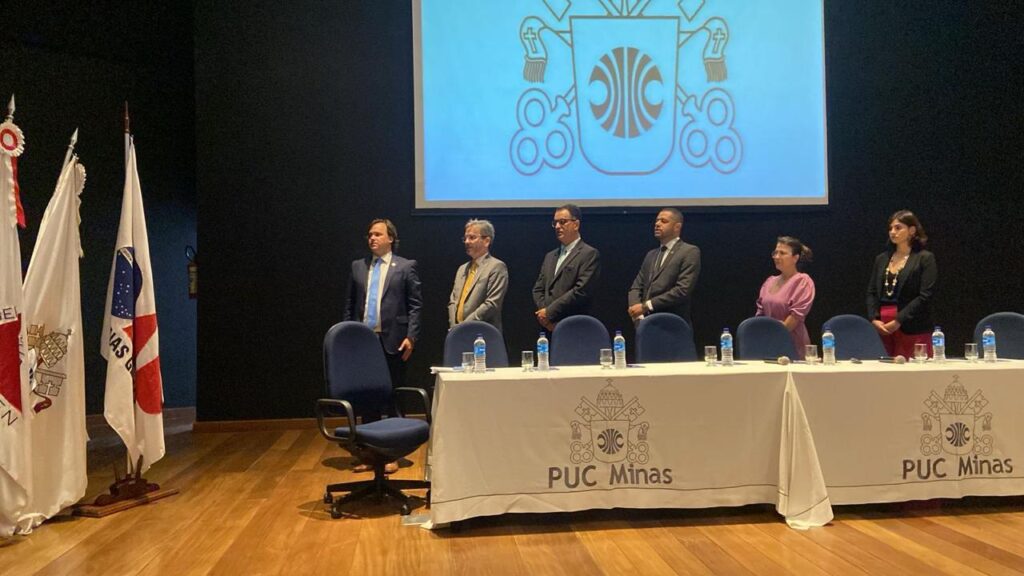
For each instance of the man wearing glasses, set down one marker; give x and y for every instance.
(480, 284)
(569, 273)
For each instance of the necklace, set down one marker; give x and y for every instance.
(892, 272)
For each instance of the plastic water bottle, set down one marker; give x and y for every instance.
(542, 352)
(938, 345)
(479, 354)
(725, 343)
(619, 349)
(988, 344)
(828, 347)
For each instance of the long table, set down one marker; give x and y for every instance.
(687, 435)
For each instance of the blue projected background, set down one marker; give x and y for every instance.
(619, 102)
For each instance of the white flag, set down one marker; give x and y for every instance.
(53, 314)
(133, 402)
(15, 434)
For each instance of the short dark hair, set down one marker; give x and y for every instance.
(907, 218)
(674, 212)
(392, 230)
(799, 249)
(573, 210)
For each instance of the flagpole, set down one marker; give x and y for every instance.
(71, 149)
(127, 135)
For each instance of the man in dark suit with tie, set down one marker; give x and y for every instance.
(668, 274)
(569, 274)
(384, 293)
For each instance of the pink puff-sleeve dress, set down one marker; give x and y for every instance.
(795, 296)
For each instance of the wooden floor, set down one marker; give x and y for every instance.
(250, 503)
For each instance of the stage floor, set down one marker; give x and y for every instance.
(250, 503)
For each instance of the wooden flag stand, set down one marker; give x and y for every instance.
(128, 492)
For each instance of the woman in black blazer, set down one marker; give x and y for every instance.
(902, 286)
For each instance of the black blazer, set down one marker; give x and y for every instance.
(670, 288)
(915, 287)
(400, 300)
(570, 290)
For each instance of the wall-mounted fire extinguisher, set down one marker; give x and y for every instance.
(193, 272)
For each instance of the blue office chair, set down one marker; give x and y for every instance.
(762, 337)
(1009, 329)
(358, 384)
(460, 339)
(664, 337)
(855, 338)
(578, 340)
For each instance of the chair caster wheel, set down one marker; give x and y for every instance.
(328, 498)
(405, 510)
(335, 513)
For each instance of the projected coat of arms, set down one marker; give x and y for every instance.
(625, 109)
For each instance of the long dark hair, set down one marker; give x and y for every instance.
(908, 219)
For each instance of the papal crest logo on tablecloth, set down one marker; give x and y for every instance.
(955, 423)
(609, 430)
(625, 107)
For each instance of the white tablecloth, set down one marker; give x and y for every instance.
(686, 435)
(661, 436)
(890, 433)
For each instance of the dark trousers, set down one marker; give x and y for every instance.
(396, 368)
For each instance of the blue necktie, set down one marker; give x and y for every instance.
(371, 304)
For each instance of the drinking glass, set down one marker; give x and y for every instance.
(811, 353)
(467, 361)
(920, 353)
(606, 357)
(710, 355)
(971, 352)
(527, 360)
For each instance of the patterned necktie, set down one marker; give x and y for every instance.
(371, 303)
(465, 292)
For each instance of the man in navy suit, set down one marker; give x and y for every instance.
(384, 293)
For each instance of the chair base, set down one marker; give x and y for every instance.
(378, 488)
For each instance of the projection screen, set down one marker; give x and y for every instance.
(528, 103)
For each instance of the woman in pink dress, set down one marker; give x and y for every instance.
(788, 296)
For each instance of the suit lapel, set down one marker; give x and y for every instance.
(908, 268)
(664, 265)
(476, 277)
(569, 258)
(392, 271)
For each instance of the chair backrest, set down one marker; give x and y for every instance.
(577, 341)
(1009, 329)
(460, 339)
(855, 338)
(355, 368)
(664, 337)
(763, 337)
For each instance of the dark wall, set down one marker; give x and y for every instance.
(74, 65)
(304, 130)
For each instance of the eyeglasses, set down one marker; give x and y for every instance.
(561, 222)
(781, 253)
(472, 237)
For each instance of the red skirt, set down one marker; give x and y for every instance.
(898, 343)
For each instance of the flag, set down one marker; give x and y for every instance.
(53, 315)
(133, 402)
(15, 434)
